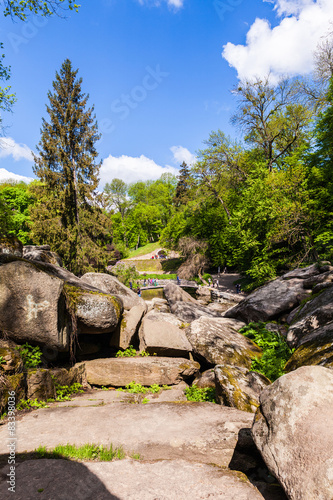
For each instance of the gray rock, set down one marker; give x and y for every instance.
(42, 254)
(98, 312)
(217, 341)
(205, 379)
(127, 331)
(189, 312)
(270, 301)
(12, 361)
(303, 273)
(319, 278)
(174, 293)
(40, 385)
(75, 375)
(109, 284)
(314, 314)
(119, 372)
(238, 387)
(315, 348)
(127, 479)
(30, 305)
(159, 333)
(294, 432)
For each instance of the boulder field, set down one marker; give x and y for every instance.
(178, 342)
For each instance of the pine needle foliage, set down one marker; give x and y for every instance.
(68, 215)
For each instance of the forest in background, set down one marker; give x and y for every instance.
(261, 205)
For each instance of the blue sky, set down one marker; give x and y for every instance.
(159, 72)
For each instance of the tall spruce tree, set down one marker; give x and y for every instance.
(68, 214)
(183, 186)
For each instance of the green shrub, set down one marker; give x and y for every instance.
(276, 351)
(130, 352)
(31, 356)
(205, 394)
(64, 391)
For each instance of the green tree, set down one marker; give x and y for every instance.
(7, 99)
(18, 198)
(46, 8)
(68, 213)
(183, 187)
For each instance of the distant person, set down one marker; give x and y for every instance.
(238, 288)
(216, 285)
(144, 282)
(138, 291)
(209, 282)
(131, 285)
(178, 280)
(225, 270)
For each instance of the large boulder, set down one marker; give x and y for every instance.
(96, 312)
(302, 273)
(293, 430)
(217, 341)
(31, 306)
(238, 387)
(315, 348)
(314, 314)
(270, 301)
(42, 254)
(161, 333)
(11, 384)
(127, 331)
(109, 284)
(205, 379)
(11, 359)
(119, 372)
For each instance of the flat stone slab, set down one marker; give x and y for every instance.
(200, 432)
(126, 480)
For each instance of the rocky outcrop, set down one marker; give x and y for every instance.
(294, 432)
(217, 341)
(205, 379)
(41, 254)
(119, 372)
(109, 284)
(11, 359)
(270, 301)
(238, 387)
(164, 335)
(97, 312)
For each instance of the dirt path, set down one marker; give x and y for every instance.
(226, 282)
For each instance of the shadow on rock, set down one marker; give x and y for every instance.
(52, 479)
(247, 459)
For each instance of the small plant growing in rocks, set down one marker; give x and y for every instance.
(206, 394)
(31, 356)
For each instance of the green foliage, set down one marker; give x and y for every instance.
(135, 388)
(206, 394)
(17, 198)
(31, 356)
(159, 276)
(2, 361)
(84, 452)
(63, 392)
(45, 8)
(127, 353)
(25, 404)
(276, 351)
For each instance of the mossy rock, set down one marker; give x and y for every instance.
(9, 383)
(10, 245)
(319, 352)
(12, 360)
(40, 385)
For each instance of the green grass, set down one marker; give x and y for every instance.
(206, 394)
(159, 276)
(84, 452)
(151, 247)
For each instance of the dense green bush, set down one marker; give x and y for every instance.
(206, 394)
(276, 351)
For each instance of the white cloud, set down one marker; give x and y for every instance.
(286, 49)
(5, 175)
(8, 147)
(176, 4)
(132, 169)
(181, 154)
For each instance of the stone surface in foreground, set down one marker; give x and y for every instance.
(200, 432)
(127, 480)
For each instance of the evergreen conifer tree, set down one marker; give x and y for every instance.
(183, 186)
(68, 214)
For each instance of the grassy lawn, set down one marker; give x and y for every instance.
(151, 247)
